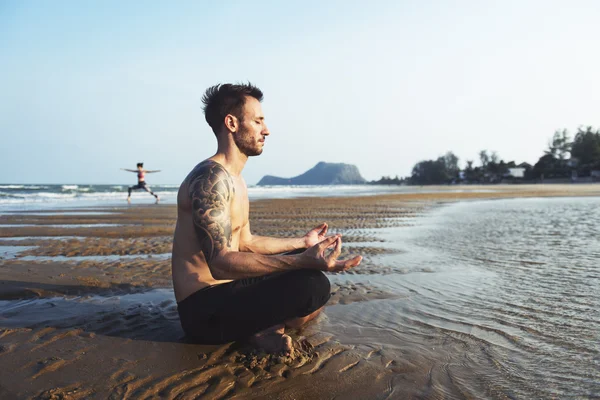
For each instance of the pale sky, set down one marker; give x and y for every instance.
(88, 87)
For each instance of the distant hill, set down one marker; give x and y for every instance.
(321, 174)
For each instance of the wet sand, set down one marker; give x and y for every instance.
(88, 312)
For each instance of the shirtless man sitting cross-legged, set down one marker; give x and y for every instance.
(229, 284)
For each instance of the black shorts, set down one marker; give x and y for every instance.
(236, 310)
(140, 185)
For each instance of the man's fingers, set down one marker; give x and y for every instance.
(347, 264)
(319, 228)
(353, 262)
(337, 234)
(336, 251)
(327, 242)
(323, 227)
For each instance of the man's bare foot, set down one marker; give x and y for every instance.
(273, 342)
(157, 200)
(129, 200)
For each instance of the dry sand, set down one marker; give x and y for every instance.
(79, 331)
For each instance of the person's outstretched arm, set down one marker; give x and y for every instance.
(211, 192)
(151, 171)
(130, 170)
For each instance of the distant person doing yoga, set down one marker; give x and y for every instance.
(141, 175)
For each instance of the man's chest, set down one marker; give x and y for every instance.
(240, 207)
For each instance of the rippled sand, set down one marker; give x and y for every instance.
(94, 316)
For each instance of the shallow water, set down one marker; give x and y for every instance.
(54, 213)
(108, 258)
(24, 238)
(148, 315)
(490, 299)
(13, 251)
(506, 292)
(61, 225)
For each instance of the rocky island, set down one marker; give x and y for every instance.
(321, 174)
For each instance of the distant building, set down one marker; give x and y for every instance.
(572, 162)
(525, 165)
(515, 173)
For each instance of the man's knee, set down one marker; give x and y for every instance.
(316, 288)
(320, 283)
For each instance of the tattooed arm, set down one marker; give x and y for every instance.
(211, 191)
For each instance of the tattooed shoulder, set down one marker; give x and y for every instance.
(211, 191)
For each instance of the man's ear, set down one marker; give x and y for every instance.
(231, 123)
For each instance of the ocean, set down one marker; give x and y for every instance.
(24, 197)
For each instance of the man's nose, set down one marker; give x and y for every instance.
(266, 131)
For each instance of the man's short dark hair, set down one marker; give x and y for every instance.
(223, 99)
(140, 164)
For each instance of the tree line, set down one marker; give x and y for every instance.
(563, 158)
